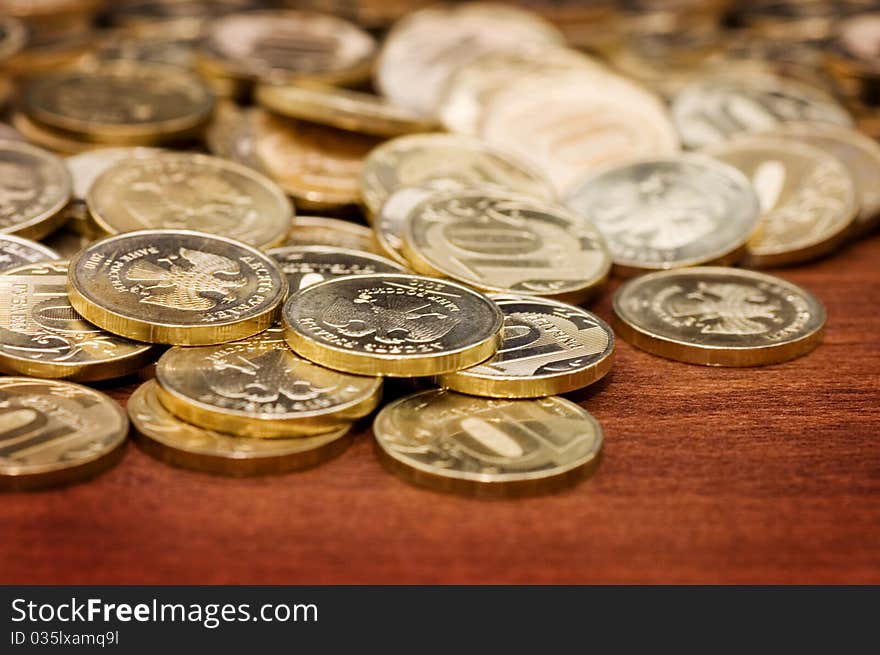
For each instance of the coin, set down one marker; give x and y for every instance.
(41, 335)
(49, 139)
(258, 388)
(308, 265)
(859, 153)
(669, 212)
(34, 188)
(425, 48)
(570, 124)
(453, 442)
(167, 438)
(13, 36)
(193, 192)
(122, 102)
(549, 348)
(712, 109)
(341, 108)
(316, 164)
(287, 46)
(321, 231)
(418, 159)
(807, 197)
(88, 166)
(54, 433)
(232, 135)
(390, 223)
(392, 325)
(718, 316)
(498, 241)
(176, 286)
(15, 251)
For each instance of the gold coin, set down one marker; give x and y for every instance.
(321, 231)
(232, 135)
(389, 224)
(807, 197)
(308, 265)
(316, 164)
(15, 251)
(392, 325)
(50, 139)
(498, 241)
(177, 287)
(41, 335)
(669, 212)
(718, 316)
(34, 188)
(192, 192)
(420, 159)
(258, 388)
(54, 433)
(549, 348)
(287, 46)
(479, 446)
(347, 110)
(121, 102)
(88, 166)
(167, 438)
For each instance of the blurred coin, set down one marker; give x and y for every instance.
(287, 46)
(571, 124)
(232, 135)
(390, 223)
(498, 241)
(9, 132)
(718, 316)
(55, 433)
(190, 191)
(258, 388)
(712, 109)
(427, 46)
(138, 13)
(321, 231)
(167, 438)
(87, 167)
(13, 36)
(549, 348)
(307, 265)
(121, 103)
(317, 165)
(669, 212)
(176, 286)
(807, 197)
(393, 325)
(34, 188)
(419, 159)
(15, 251)
(347, 110)
(51, 139)
(855, 48)
(453, 442)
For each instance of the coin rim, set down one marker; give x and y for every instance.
(51, 255)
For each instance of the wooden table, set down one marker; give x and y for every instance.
(768, 475)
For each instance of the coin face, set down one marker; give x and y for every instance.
(41, 334)
(669, 212)
(569, 125)
(286, 46)
(313, 163)
(859, 153)
(258, 388)
(419, 159)
(392, 325)
(342, 108)
(55, 433)
(308, 265)
(176, 286)
(87, 167)
(176, 442)
(321, 231)
(461, 443)
(807, 197)
(34, 188)
(191, 192)
(718, 316)
(426, 47)
(710, 110)
(15, 251)
(549, 348)
(125, 101)
(498, 241)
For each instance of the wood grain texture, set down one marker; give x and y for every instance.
(768, 475)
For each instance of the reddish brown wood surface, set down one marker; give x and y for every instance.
(768, 475)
